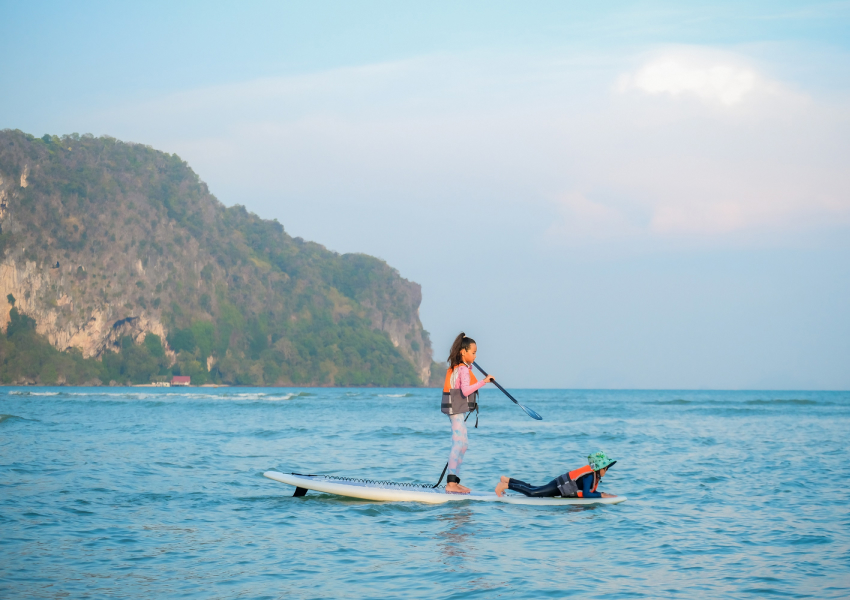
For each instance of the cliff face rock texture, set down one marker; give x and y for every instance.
(101, 240)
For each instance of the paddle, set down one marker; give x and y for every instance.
(527, 410)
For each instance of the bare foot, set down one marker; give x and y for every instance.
(502, 486)
(456, 488)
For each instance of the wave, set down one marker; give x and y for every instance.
(20, 393)
(794, 401)
(4, 418)
(272, 397)
(168, 394)
(120, 395)
(243, 396)
(257, 396)
(408, 395)
(733, 403)
(267, 433)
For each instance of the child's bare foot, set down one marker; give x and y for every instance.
(502, 486)
(456, 488)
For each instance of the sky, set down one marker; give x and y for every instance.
(635, 195)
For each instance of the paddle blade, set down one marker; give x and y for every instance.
(531, 413)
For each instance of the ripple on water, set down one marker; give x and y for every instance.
(781, 401)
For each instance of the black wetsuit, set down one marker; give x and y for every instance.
(549, 490)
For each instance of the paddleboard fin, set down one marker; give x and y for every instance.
(299, 491)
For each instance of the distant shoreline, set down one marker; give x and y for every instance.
(212, 385)
(360, 387)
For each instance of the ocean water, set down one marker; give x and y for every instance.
(158, 493)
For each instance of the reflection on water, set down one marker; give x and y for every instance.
(455, 537)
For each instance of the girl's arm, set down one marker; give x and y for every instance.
(586, 485)
(463, 380)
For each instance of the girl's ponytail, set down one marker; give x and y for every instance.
(461, 343)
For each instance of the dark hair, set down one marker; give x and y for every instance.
(461, 343)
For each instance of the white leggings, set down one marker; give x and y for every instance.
(459, 443)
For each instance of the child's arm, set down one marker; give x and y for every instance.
(463, 377)
(586, 485)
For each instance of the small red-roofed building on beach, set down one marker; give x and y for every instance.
(180, 380)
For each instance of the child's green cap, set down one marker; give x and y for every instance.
(599, 460)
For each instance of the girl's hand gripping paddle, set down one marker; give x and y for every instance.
(527, 410)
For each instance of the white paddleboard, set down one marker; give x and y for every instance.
(389, 492)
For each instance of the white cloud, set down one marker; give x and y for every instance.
(711, 76)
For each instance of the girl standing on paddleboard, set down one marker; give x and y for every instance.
(460, 397)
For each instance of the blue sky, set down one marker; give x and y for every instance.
(648, 194)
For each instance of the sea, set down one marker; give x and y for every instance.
(159, 493)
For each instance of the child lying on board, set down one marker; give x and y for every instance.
(579, 483)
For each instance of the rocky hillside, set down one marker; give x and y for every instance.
(102, 242)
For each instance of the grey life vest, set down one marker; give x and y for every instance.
(454, 402)
(567, 485)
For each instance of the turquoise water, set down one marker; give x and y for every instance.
(139, 492)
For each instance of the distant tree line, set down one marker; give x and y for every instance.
(28, 357)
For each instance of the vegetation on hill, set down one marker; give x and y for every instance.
(113, 244)
(27, 356)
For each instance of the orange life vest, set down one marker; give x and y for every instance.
(567, 482)
(454, 402)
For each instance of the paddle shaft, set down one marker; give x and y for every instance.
(528, 411)
(496, 383)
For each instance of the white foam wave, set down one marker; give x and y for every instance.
(137, 395)
(166, 395)
(284, 397)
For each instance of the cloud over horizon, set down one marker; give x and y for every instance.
(710, 75)
(691, 141)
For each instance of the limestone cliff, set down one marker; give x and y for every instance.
(100, 240)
